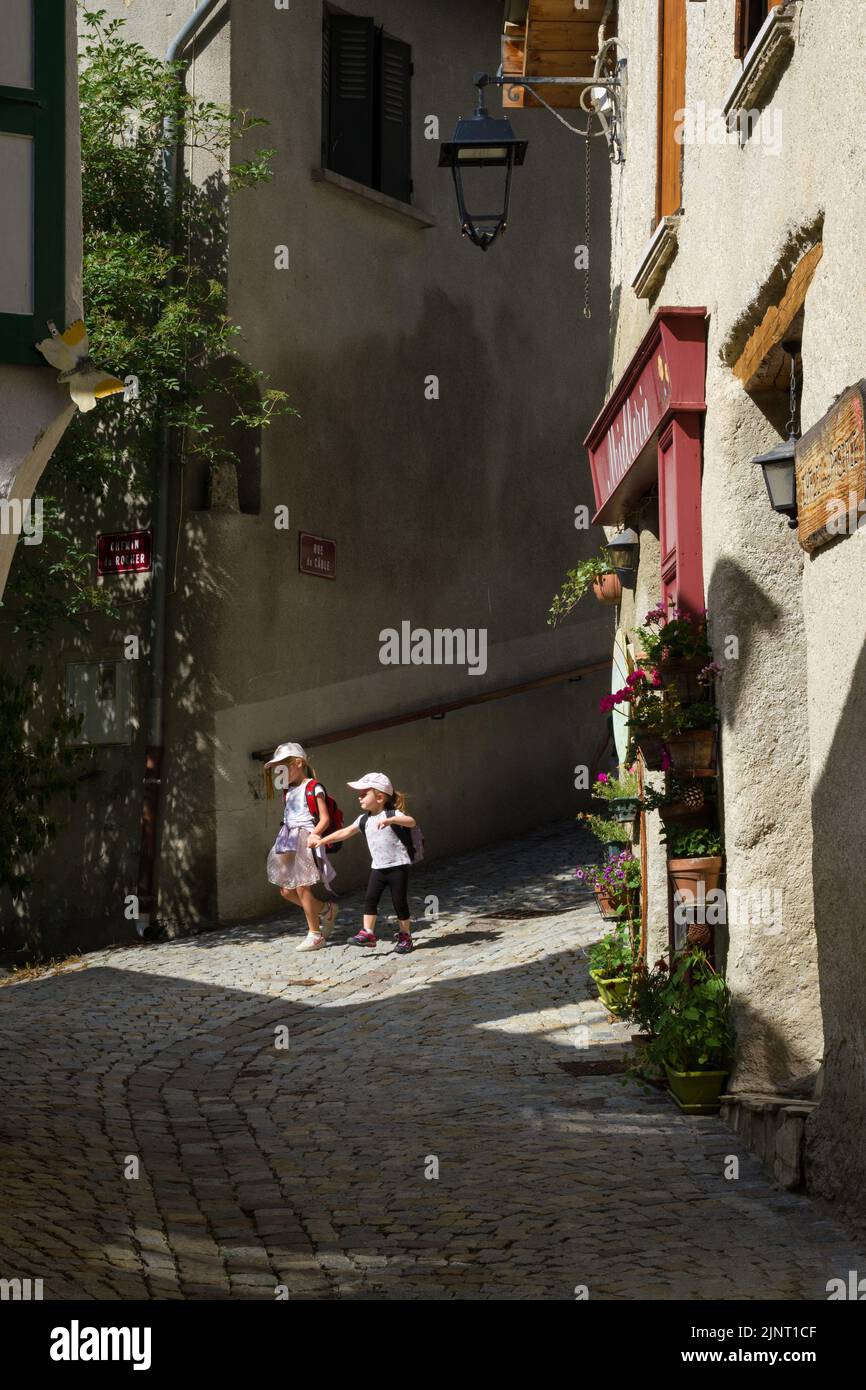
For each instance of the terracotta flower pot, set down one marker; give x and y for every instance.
(693, 751)
(686, 874)
(608, 588)
(607, 904)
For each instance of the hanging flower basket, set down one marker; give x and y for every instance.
(625, 809)
(608, 904)
(691, 752)
(608, 588)
(686, 874)
(682, 676)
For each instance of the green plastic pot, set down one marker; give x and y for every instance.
(613, 992)
(625, 809)
(697, 1092)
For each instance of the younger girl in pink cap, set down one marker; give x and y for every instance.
(384, 821)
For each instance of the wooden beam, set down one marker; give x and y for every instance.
(778, 318)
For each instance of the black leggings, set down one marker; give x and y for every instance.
(397, 879)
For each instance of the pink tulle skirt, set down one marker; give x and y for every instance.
(300, 867)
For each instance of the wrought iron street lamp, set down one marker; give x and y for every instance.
(482, 142)
(778, 463)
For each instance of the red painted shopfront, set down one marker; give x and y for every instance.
(648, 434)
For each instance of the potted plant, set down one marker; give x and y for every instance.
(610, 966)
(645, 1006)
(644, 696)
(622, 794)
(616, 885)
(597, 573)
(694, 857)
(694, 1034)
(613, 835)
(676, 643)
(690, 735)
(682, 803)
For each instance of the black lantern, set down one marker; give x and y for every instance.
(778, 463)
(623, 548)
(482, 142)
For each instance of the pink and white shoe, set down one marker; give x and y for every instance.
(364, 938)
(314, 941)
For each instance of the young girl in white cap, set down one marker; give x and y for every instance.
(381, 809)
(292, 866)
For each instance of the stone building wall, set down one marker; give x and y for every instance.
(793, 806)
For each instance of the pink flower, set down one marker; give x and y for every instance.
(603, 777)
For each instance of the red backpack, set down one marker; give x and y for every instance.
(335, 815)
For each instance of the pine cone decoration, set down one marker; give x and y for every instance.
(693, 795)
(699, 935)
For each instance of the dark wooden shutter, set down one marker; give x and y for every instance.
(351, 46)
(395, 118)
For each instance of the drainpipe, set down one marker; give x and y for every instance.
(151, 799)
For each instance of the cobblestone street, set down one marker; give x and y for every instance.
(306, 1167)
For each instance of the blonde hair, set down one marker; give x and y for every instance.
(397, 802)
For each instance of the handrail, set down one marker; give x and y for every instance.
(439, 711)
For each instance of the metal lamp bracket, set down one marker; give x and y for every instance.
(613, 123)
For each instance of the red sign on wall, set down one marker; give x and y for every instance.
(124, 552)
(318, 556)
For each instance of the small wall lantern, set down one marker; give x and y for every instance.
(778, 463)
(624, 548)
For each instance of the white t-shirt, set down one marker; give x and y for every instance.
(387, 850)
(297, 811)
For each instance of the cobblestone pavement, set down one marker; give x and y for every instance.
(306, 1166)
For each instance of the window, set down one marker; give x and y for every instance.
(100, 691)
(366, 99)
(750, 16)
(32, 174)
(671, 100)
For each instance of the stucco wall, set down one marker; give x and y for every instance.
(453, 513)
(792, 804)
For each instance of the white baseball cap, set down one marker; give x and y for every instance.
(284, 752)
(375, 780)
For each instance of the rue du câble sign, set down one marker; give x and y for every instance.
(831, 472)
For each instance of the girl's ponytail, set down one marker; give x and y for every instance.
(398, 802)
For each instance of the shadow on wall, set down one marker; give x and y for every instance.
(836, 1151)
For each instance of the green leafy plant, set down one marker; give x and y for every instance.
(577, 582)
(608, 832)
(673, 634)
(693, 844)
(694, 1031)
(645, 1004)
(607, 788)
(32, 770)
(613, 956)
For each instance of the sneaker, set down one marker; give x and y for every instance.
(405, 944)
(313, 941)
(364, 938)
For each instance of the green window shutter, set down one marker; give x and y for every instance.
(33, 142)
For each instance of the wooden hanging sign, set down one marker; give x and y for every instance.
(831, 472)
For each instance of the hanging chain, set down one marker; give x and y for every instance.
(793, 420)
(587, 312)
